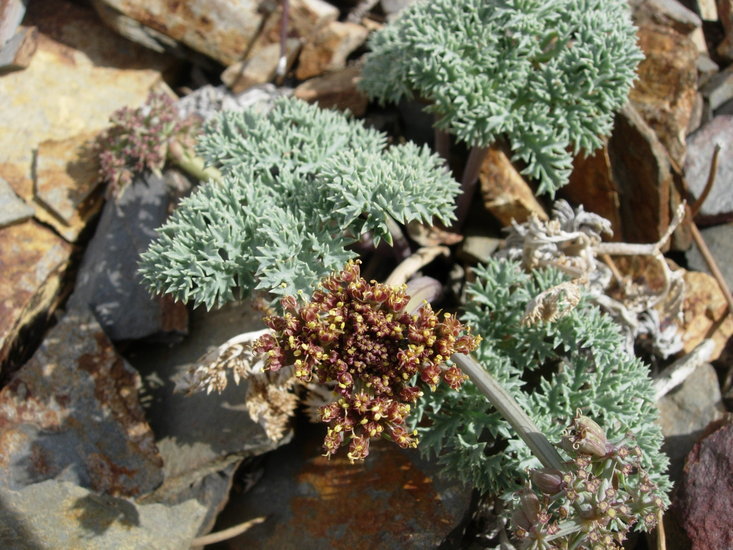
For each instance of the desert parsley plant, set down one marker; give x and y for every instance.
(546, 75)
(553, 369)
(593, 502)
(299, 185)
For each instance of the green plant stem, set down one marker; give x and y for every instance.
(468, 184)
(511, 411)
(191, 164)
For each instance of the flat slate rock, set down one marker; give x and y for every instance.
(719, 240)
(13, 209)
(392, 500)
(56, 515)
(202, 438)
(72, 413)
(686, 412)
(108, 282)
(33, 260)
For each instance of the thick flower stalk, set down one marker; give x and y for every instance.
(361, 338)
(594, 501)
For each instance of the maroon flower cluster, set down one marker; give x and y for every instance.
(359, 336)
(593, 502)
(138, 140)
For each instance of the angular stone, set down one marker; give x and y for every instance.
(685, 412)
(32, 261)
(80, 74)
(220, 29)
(260, 67)
(505, 192)
(719, 88)
(391, 500)
(17, 52)
(705, 313)
(719, 239)
(591, 184)
(59, 514)
(706, 69)
(13, 209)
(108, 282)
(666, 90)
(718, 206)
(725, 109)
(11, 14)
(642, 172)
(478, 248)
(337, 90)
(707, 9)
(67, 184)
(72, 413)
(329, 48)
(705, 495)
(667, 13)
(202, 438)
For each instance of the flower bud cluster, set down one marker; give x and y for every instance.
(138, 140)
(358, 336)
(602, 492)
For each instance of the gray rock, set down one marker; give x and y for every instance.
(72, 413)
(686, 411)
(719, 88)
(726, 108)
(706, 69)
(202, 438)
(55, 515)
(11, 14)
(719, 204)
(108, 282)
(13, 209)
(719, 240)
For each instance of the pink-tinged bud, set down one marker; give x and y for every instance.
(289, 303)
(358, 448)
(330, 412)
(380, 293)
(454, 377)
(332, 441)
(548, 480)
(528, 510)
(586, 437)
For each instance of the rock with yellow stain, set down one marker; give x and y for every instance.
(33, 260)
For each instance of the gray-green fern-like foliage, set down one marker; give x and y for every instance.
(553, 369)
(299, 184)
(547, 75)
